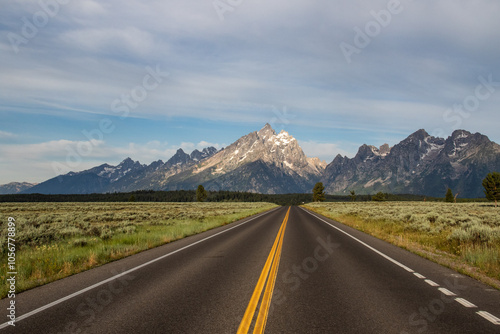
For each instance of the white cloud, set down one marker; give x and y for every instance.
(324, 151)
(129, 40)
(37, 161)
(290, 59)
(189, 147)
(7, 135)
(263, 54)
(34, 162)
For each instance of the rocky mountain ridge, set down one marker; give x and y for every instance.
(420, 164)
(15, 187)
(268, 162)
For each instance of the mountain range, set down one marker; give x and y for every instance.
(273, 163)
(15, 187)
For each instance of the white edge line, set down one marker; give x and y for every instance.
(490, 317)
(431, 283)
(61, 300)
(465, 303)
(447, 292)
(486, 315)
(364, 244)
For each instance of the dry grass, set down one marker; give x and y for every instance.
(464, 236)
(55, 240)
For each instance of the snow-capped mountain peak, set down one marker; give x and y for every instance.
(114, 173)
(281, 139)
(280, 150)
(268, 162)
(266, 132)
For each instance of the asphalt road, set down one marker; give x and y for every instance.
(329, 278)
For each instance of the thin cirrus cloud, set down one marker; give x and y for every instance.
(61, 156)
(7, 135)
(324, 151)
(129, 40)
(262, 57)
(60, 150)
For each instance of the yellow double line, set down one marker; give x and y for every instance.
(269, 273)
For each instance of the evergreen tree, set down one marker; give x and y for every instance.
(449, 196)
(353, 196)
(319, 192)
(379, 197)
(201, 194)
(491, 185)
(131, 198)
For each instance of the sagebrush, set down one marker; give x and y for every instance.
(54, 240)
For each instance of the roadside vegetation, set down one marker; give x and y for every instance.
(462, 236)
(55, 240)
(319, 192)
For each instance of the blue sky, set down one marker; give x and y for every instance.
(88, 82)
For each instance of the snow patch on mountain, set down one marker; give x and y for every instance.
(280, 150)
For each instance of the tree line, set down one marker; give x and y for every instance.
(191, 196)
(491, 185)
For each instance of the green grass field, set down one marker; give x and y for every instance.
(55, 240)
(463, 236)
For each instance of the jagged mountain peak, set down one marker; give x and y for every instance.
(463, 144)
(156, 164)
(266, 132)
(179, 157)
(419, 164)
(180, 151)
(419, 134)
(267, 127)
(459, 134)
(370, 152)
(283, 138)
(196, 155)
(463, 136)
(384, 150)
(209, 150)
(15, 187)
(184, 159)
(365, 151)
(339, 158)
(421, 140)
(280, 150)
(267, 161)
(114, 173)
(128, 163)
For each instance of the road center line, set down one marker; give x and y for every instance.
(270, 270)
(61, 300)
(260, 325)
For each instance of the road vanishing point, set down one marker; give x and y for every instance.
(287, 270)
